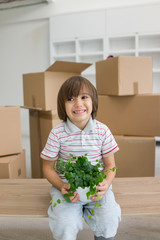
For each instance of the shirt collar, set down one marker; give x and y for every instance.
(71, 128)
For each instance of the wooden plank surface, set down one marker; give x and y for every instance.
(26, 197)
(139, 195)
(30, 197)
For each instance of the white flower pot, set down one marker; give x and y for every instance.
(82, 194)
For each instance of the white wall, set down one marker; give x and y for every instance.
(24, 47)
(41, 11)
(64, 6)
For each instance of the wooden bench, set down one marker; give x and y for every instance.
(30, 197)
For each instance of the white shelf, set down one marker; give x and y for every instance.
(91, 45)
(149, 50)
(149, 41)
(91, 54)
(155, 58)
(68, 55)
(93, 49)
(90, 58)
(122, 43)
(156, 70)
(65, 58)
(62, 48)
(79, 50)
(123, 52)
(157, 139)
(156, 82)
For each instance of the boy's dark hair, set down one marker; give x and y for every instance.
(71, 88)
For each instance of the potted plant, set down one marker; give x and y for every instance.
(82, 177)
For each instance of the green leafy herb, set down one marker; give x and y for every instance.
(97, 204)
(79, 172)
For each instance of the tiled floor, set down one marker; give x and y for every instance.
(138, 227)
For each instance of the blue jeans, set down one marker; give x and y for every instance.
(65, 220)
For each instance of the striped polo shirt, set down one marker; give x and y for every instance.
(95, 140)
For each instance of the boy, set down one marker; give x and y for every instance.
(80, 134)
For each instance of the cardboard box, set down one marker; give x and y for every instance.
(13, 166)
(40, 89)
(136, 156)
(10, 131)
(124, 75)
(41, 123)
(137, 115)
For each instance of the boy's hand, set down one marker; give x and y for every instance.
(64, 190)
(102, 189)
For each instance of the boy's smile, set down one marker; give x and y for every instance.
(79, 108)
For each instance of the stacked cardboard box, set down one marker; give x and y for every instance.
(41, 123)
(12, 156)
(40, 92)
(128, 107)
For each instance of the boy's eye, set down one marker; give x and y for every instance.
(70, 99)
(84, 97)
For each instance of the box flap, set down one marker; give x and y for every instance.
(32, 108)
(61, 66)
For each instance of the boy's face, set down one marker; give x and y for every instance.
(79, 108)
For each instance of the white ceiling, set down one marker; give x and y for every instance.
(8, 4)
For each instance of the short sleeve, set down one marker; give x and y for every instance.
(109, 145)
(51, 149)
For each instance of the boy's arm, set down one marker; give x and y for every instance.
(109, 163)
(55, 180)
(51, 174)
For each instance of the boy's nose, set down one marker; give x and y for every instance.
(78, 102)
